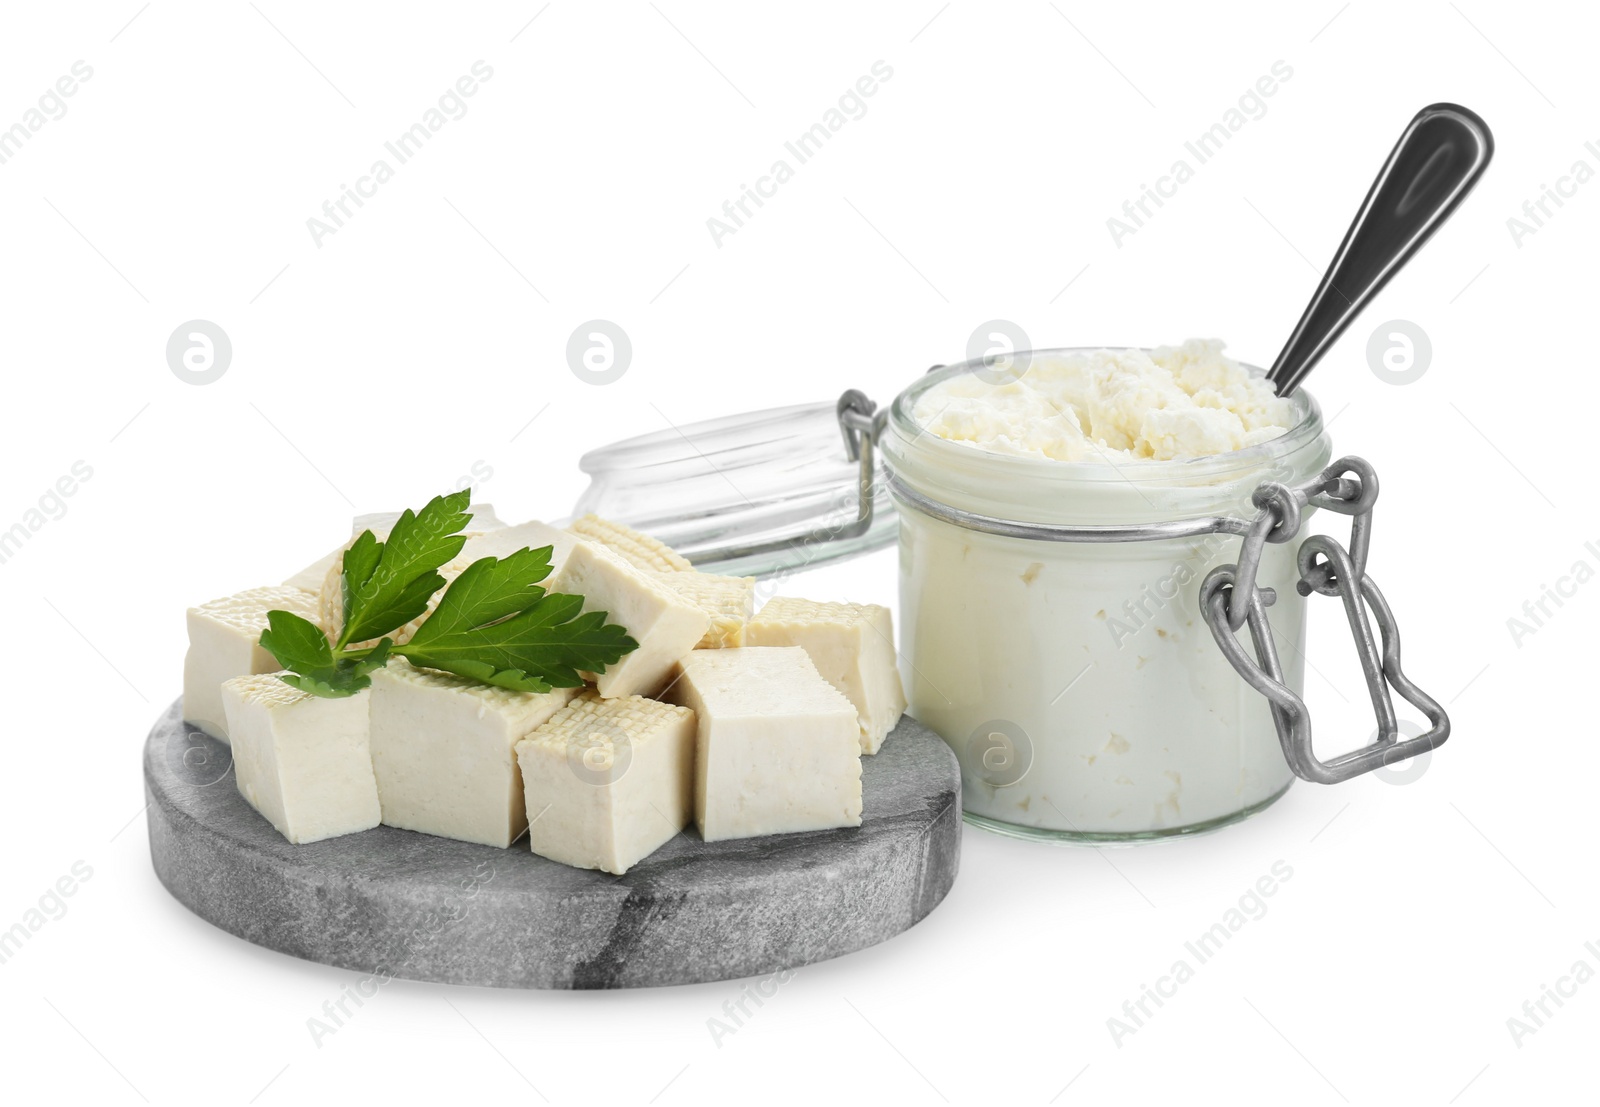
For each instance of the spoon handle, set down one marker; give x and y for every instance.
(1438, 159)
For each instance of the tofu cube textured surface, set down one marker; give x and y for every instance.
(301, 760)
(609, 781)
(665, 625)
(224, 642)
(728, 601)
(636, 548)
(443, 752)
(777, 748)
(852, 646)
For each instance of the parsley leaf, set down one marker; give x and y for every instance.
(301, 647)
(496, 625)
(387, 584)
(346, 676)
(297, 643)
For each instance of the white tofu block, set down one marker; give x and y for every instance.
(508, 540)
(777, 747)
(443, 752)
(635, 547)
(728, 601)
(665, 625)
(311, 577)
(225, 642)
(301, 760)
(852, 646)
(608, 781)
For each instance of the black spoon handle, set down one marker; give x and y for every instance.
(1438, 159)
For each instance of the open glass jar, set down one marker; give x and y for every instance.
(1054, 629)
(1115, 652)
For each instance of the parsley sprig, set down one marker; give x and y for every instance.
(494, 623)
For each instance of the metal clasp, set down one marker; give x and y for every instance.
(1230, 600)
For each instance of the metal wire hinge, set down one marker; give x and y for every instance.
(1230, 600)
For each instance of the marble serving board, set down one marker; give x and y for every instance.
(410, 905)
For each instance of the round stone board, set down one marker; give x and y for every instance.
(410, 905)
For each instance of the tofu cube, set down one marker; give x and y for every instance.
(777, 747)
(665, 625)
(852, 646)
(225, 642)
(311, 577)
(443, 752)
(609, 781)
(729, 601)
(301, 760)
(636, 548)
(508, 540)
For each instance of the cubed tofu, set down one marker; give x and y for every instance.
(636, 548)
(225, 642)
(508, 540)
(665, 625)
(729, 601)
(311, 577)
(301, 760)
(443, 752)
(852, 646)
(609, 781)
(777, 747)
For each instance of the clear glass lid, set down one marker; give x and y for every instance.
(751, 494)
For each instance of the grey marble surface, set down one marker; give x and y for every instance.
(410, 905)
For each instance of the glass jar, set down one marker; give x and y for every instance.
(1077, 681)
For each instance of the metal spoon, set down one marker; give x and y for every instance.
(1438, 159)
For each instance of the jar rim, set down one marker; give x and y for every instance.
(1307, 427)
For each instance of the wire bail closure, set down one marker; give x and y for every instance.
(1230, 601)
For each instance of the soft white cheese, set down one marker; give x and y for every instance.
(301, 760)
(609, 781)
(442, 752)
(1112, 406)
(777, 747)
(665, 625)
(852, 646)
(224, 642)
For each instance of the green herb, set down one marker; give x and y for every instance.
(387, 584)
(493, 624)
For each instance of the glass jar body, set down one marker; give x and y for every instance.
(1077, 682)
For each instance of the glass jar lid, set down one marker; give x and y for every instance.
(751, 494)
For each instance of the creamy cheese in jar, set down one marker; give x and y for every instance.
(1113, 406)
(1077, 681)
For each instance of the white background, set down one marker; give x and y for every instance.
(375, 369)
